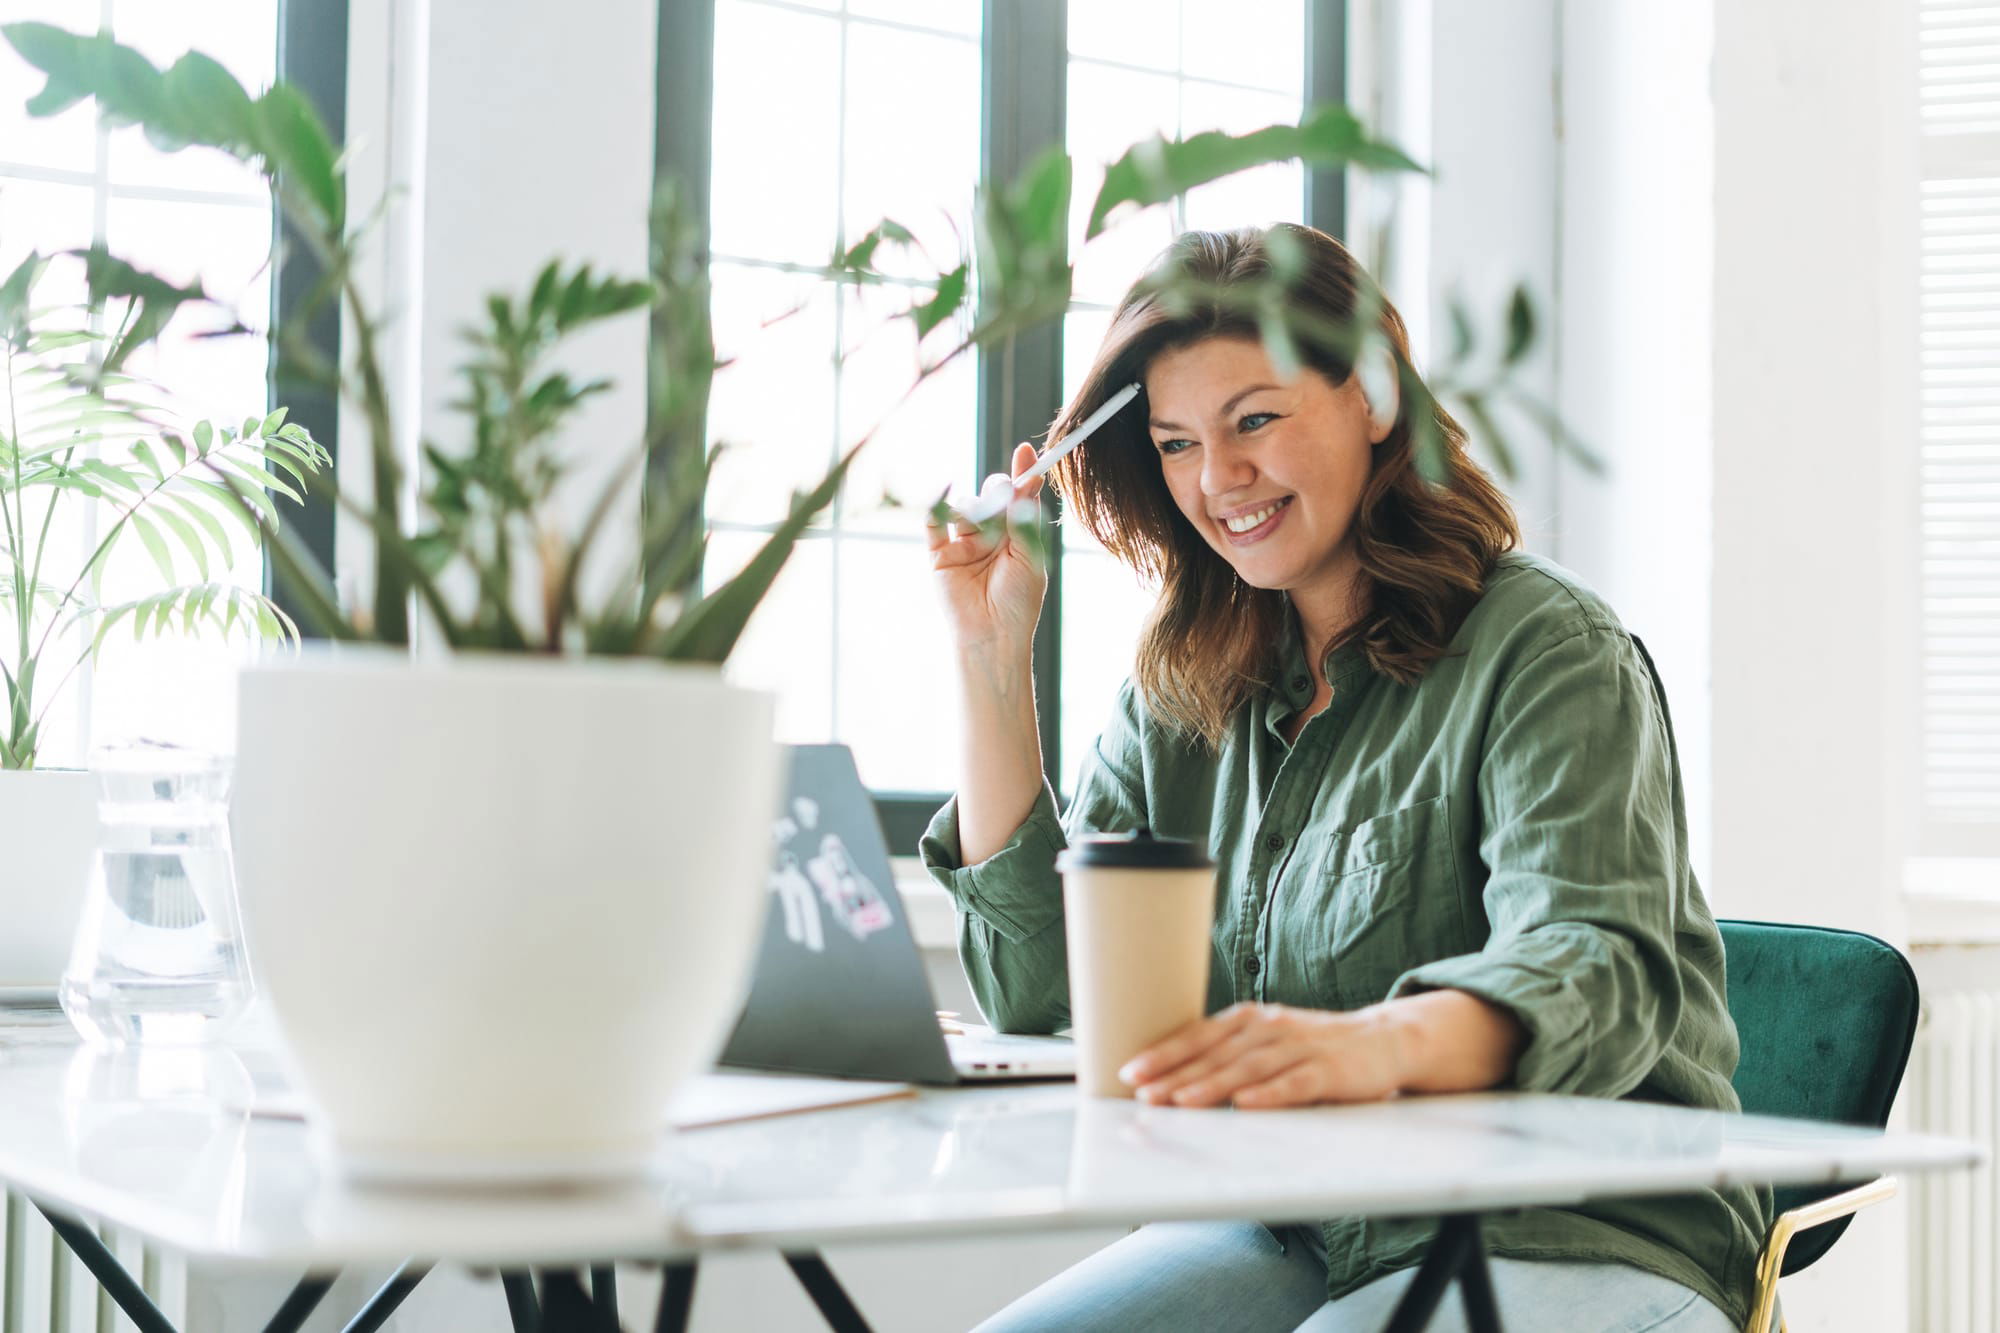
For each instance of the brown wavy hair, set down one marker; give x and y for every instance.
(1425, 548)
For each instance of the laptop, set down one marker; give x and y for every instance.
(839, 986)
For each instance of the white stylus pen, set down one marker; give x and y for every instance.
(991, 500)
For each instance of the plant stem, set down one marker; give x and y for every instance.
(22, 681)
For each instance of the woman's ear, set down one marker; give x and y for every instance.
(1375, 372)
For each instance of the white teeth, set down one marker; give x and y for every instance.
(1249, 521)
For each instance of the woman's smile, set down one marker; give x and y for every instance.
(1246, 527)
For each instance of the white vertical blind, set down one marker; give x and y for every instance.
(1959, 310)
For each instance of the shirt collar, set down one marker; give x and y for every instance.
(1346, 666)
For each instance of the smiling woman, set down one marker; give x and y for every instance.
(1437, 778)
(1254, 437)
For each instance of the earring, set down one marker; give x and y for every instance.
(1375, 370)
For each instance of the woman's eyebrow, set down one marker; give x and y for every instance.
(1227, 408)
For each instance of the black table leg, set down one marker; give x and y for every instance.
(604, 1297)
(676, 1297)
(384, 1302)
(298, 1306)
(839, 1312)
(1456, 1252)
(118, 1284)
(522, 1307)
(566, 1306)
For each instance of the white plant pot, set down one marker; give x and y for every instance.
(48, 830)
(501, 907)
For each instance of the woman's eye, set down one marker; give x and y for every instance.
(1174, 446)
(1255, 419)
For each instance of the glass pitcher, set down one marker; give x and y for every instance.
(158, 954)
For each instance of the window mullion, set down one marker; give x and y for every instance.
(312, 57)
(1025, 79)
(1325, 83)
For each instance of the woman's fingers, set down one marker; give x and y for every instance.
(1024, 458)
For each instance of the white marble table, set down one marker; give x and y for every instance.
(162, 1144)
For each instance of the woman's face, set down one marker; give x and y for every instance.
(1269, 471)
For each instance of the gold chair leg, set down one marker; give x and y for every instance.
(1771, 1261)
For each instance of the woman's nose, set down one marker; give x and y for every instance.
(1224, 469)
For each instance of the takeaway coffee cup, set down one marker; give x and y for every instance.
(1138, 912)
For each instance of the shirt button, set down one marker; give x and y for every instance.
(1275, 841)
(1253, 967)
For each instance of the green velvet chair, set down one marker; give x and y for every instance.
(1826, 1018)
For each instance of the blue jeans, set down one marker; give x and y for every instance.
(1249, 1277)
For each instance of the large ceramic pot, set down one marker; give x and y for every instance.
(48, 830)
(501, 906)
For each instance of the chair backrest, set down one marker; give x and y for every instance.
(1826, 1018)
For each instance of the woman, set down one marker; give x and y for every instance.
(1440, 786)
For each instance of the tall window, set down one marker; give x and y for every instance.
(67, 183)
(1959, 310)
(852, 638)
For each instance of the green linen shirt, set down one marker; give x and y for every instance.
(1512, 826)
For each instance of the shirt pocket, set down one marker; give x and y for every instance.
(1382, 899)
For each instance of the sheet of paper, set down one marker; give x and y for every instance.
(712, 1099)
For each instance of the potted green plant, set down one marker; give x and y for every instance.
(81, 430)
(502, 897)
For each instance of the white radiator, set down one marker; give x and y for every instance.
(1954, 1088)
(47, 1291)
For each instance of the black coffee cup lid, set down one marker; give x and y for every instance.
(1136, 850)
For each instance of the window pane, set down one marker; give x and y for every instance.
(772, 405)
(1118, 30)
(35, 215)
(777, 139)
(898, 702)
(1269, 194)
(1109, 110)
(1104, 607)
(889, 71)
(921, 444)
(959, 16)
(1224, 66)
(1257, 42)
(787, 648)
(61, 143)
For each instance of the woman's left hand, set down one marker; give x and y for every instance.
(1263, 1055)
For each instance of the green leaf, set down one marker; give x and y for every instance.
(859, 258)
(298, 146)
(184, 530)
(1520, 326)
(708, 631)
(205, 105)
(227, 501)
(251, 472)
(156, 545)
(946, 302)
(203, 515)
(1490, 433)
(204, 435)
(144, 453)
(272, 423)
(1154, 171)
(155, 300)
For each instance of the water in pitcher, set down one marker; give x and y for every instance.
(158, 955)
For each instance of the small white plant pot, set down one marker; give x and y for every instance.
(501, 907)
(48, 831)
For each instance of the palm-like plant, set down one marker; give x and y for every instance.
(78, 425)
(484, 507)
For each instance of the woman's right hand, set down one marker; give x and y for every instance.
(992, 588)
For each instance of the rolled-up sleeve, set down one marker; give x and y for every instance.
(1582, 837)
(1011, 940)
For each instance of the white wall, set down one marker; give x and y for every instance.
(1814, 470)
(1634, 228)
